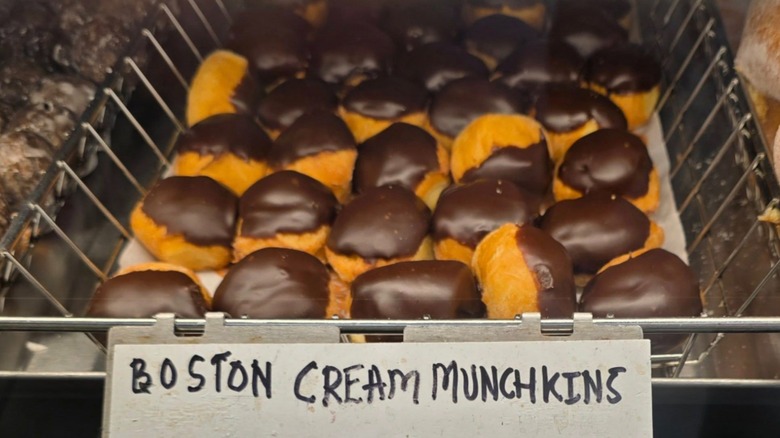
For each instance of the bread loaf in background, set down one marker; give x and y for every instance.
(758, 60)
(53, 55)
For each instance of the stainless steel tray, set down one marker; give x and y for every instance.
(70, 233)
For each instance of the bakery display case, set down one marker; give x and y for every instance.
(73, 232)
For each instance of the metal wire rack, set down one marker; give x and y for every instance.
(68, 236)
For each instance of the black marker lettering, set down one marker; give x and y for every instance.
(349, 381)
(328, 387)
(530, 386)
(298, 379)
(592, 385)
(449, 370)
(572, 397)
(201, 379)
(141, 379)
(375, 383)
(489, 383)
(237, 367)
(217, 360)
(613, 374)
(265, 378)
(475, 383)
(405, 378)
(502, 384)
(548, 386)
(168, 374)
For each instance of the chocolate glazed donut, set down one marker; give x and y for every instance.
(414, 23)
(198, 208)
(273, 40)
(463, 100)
(292, 99)
(287, 210)
(523, 269)
(400, 155)
(311, 135)
(286, 202)
(540, 63)
(383, 222)
(612, 161)
(569, 112)
(187, 221)
(406, 156)
(651, 285)
(375, 104)
(494, 37)
(436, 289)
(318, 144)
(230, 148)
(275, 283)
(466, 213)
(564, 108)
(382, 226)
(597, 228)
(630, 76)
(143, 294)
(346, 53)
(437, 64)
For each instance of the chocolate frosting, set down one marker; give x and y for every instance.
(541, 62)
(258, 21)
(401, 155)
(275, 283)
(529, 168)
(655, 284)
(609, 160)
(411, 290)
(498, 35)
(566, 108)
(623, 69)
(274, 40)
(349, 11)
(285, 202)
(552, 269)
(292, 99)
(383, 222)
(588, 31)
(311, 134)
(596, 228)
(276, 53)
(468, 212)
(437, 64)
(413, 23)
(347, 49)
(508, 3)
(613, 9)
(386, 98)
(197, 207)
(652, 285)
(463, 100)
(143, 294)
(220, 134)
(246, 95)
(292, 3)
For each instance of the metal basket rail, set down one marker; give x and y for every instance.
(71, 232)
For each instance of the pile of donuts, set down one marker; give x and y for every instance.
(410, 159)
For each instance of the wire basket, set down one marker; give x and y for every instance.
(68, 236)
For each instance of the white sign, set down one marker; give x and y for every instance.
(549, 389)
